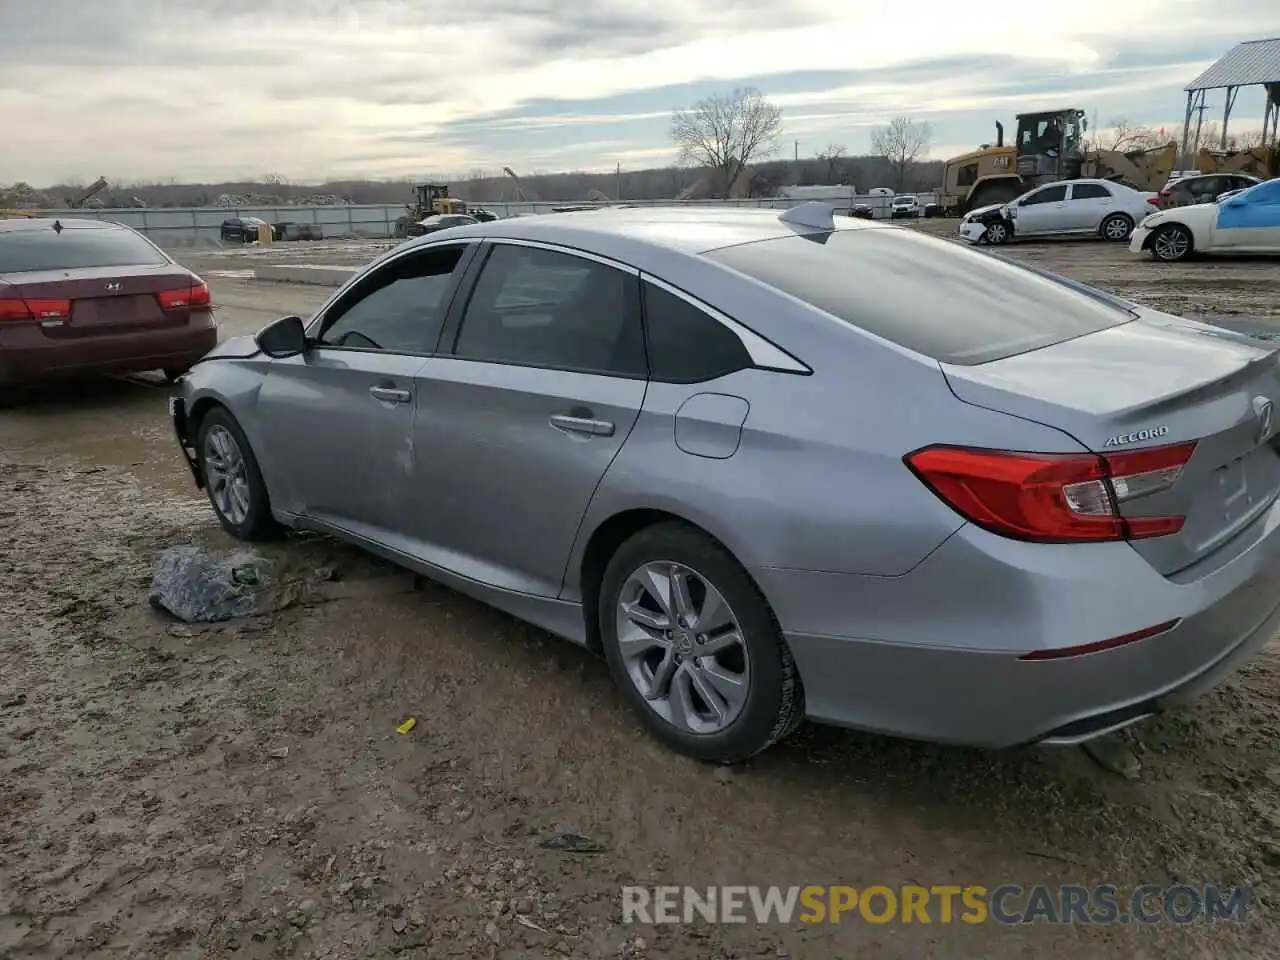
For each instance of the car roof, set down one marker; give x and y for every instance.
(23, 224)
(633, 234)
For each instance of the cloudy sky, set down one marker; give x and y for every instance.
(312, 89)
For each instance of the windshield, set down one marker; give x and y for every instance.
(75, 248)
(966, 307)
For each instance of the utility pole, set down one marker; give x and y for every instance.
(797, 151)
(618, 181)
(1195, 144)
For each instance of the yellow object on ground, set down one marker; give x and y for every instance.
(407, 725)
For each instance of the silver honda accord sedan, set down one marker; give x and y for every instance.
(723, 449)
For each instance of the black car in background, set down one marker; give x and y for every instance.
(241, 229)
(1203, 188)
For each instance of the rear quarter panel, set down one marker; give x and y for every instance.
(818, 480)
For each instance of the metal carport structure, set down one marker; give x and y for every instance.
(1254, 63)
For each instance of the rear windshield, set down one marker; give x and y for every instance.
(932, 296)
(24, 251)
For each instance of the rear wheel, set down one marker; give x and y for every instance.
(232, 478)
(695, 648)
(1171, 243)
(1116, 228)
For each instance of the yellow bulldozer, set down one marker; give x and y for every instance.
(429, 198)
(1050, 145)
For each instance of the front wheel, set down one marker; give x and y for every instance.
(232, 478)
(695, 648)
(1117, 228)
(997, 233)
(1171, 243)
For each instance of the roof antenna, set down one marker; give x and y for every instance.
(814, 213)
(57, 226)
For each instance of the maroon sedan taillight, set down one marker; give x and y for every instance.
(196, 295)
(35, 310)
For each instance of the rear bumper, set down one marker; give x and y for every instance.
(28, 355)
(954, 674)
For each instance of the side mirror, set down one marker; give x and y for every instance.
(282, 338)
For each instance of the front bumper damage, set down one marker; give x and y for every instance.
(178, 415)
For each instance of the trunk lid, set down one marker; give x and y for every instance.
(1155, 381)
(104, 299)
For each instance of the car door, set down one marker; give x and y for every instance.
(337, 421)
(1086, 206)
(1041, 211)
(545, 380)
(1250, 220)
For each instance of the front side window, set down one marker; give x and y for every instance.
(546, 308)
(1047, 195)
(400, 308)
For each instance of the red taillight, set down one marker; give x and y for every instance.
(35, 309)
(1052, 498)
(1154, 201)
(196, 295)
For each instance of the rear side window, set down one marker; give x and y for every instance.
(933, 297)
(686, 344)
(24, 251)
(1089, 191)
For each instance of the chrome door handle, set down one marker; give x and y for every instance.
(390, 394)
(594, 428)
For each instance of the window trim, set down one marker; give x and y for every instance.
(764, 354)
(319, 320)
(448, 344)
(1045, 189)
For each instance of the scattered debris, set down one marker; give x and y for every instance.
(572, 843)
(1115, 754)
(407, 726)
(198, 588)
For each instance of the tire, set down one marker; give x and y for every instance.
(1116, 228)
(772, 702)
(1001, 191)
(997, 237)
(216, 429)
(1171, 243)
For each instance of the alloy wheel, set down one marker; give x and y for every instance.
(1172, 243)
(1116, 229)
(682, 647)
(226, 474)
(997, 232)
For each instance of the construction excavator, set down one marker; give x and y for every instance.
(91, 191)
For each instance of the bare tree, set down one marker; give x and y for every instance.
(833, 162)
(902, 143)
(1127, 136)
(275, 179)
(726, 132)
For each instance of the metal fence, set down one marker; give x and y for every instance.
(200, 226)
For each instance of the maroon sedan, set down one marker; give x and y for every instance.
(87, 296)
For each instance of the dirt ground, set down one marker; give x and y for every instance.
(241, 791)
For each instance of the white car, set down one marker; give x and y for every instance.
(1247, 221)
(904, 206)
(1084, 207)
(1080, 208)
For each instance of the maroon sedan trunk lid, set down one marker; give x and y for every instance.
(107, 299)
